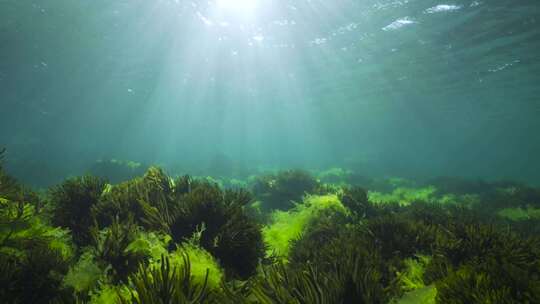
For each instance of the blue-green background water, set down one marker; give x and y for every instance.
(385, 88)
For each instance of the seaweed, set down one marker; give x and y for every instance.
(126, 200)
(396, 236)
(184, 207)
(319, 232)
(356, 200)
(167, 284)
(288, 226)
(35, 277)
(468, 286)
(278, 191)
(489, 264)
(12, 190)
(110, 249)
(349, 255)
(239, 243)
(404, 196)
(466, 242)
(281, 284)
(72, 202)
(225, 229)
(413, 275)
(33, 255)
(154, 239)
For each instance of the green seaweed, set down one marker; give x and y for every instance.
(110, 249)
(280, 284)
(34, 256)
(154, 239)
(287, 226)
(165, 283)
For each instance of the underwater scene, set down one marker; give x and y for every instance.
(270, 151)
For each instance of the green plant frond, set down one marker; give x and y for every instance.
(167, 284)
(281, 284)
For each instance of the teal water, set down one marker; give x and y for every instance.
(386, 88)
(269, 151)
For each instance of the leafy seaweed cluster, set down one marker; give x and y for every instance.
(167, 284)
(34, 256)
(72, 202)
(279, 191)
(157, 239)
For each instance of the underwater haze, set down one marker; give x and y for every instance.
(412, 88)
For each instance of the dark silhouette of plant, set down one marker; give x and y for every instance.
(347, 253)
(356, 200)
(126, 200)
(280, 190)
(31, 266)
(225, 230)
(12, 190)
(72, 202)
(285, 285)
(469, 286)
(396, 236)
(239, 241)
(485, 263)
(109, 249)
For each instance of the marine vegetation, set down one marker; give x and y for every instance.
(281, 284)
(167, 284)
(34, 256)
(224, 228)
(12, 190)
(72, 202)
(162, 239)
(279, 191)
(288, 226)
(183, 208)
(110, 248)
(356, 200)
